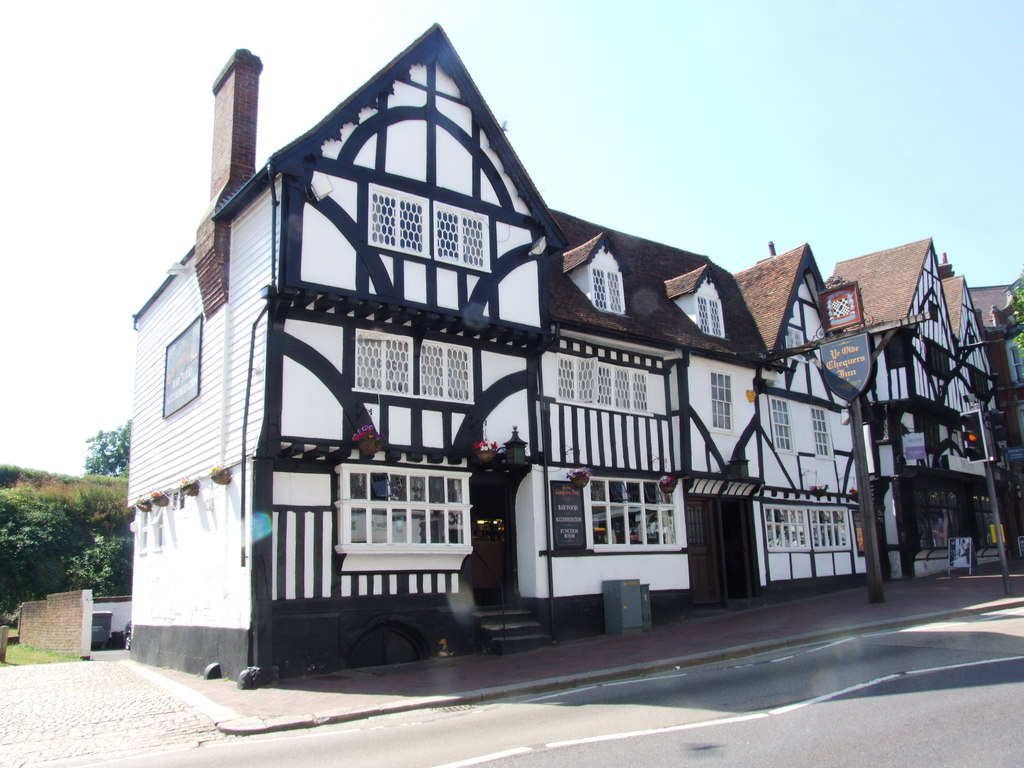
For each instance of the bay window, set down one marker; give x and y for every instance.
(403, 508)
(632, 513)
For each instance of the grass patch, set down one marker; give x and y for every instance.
(20, 655)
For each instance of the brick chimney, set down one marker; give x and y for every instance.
(236, 93)
(945, 268)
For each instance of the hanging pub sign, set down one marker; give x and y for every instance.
(842, 307)
(847, 365)
(567, 511)
(181, 368)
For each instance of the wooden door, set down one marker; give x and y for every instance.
(702, 545)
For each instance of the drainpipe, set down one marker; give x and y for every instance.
(545, 418)
(268, 295)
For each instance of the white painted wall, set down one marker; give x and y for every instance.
(169, 587)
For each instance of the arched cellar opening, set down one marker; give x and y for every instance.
(387, 643)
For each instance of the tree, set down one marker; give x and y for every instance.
(59, 533)
(108, 452)
(1016, 331)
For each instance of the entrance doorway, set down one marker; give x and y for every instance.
(492, 563)
(737, 550)
(702, 546)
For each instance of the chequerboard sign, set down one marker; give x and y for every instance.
(842, 307)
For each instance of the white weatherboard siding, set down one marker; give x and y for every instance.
(208, 430)
(188, 442)
(169, 587)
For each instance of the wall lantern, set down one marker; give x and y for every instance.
(515, 449)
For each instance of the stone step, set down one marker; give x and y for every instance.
(504, 646)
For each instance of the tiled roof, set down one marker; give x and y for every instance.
(684, 284)
(581, 254)
(768, 287)
(953, 290)
(650, 315)
(887, 279)
(987, 297)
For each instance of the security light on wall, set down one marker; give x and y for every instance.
(176, 269)
(320, 186)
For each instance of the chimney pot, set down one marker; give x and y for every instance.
(771, 247)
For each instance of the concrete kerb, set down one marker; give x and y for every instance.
(250, 726)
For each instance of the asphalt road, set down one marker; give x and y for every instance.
(943, 694)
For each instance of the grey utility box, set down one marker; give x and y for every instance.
(101, 628)
(623, 607)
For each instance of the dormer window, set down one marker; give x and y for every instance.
(709, 315)
(607, 290)
(696, 293)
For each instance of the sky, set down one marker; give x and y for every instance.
(852, 125)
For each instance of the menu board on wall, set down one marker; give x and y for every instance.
(568, 518)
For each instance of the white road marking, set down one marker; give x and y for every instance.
(653, 731)
(486, 758)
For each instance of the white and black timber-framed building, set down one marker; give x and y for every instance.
(395, 269)
(931, 370)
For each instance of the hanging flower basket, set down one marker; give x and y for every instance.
(853, 494)
(819, 490)
(144, 504)
(667, 484)
(369, 440)
(160, 498)
(220, 475)
(579, 477)
(485, 452)
(189, 487)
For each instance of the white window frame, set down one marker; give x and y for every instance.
(606, 290)
(452, 387)
(806, 529)
(782, 425)
(721, 408)
(149, 526)
(1016, 363)
(786, 529)
(709, 316)
(637, 501)
(390, 524)
(378, 238)
(588, 381)
(830, 530)
(466, 222)
(372, 374)
(376, 376)
(820, 430)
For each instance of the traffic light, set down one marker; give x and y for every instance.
(997, 424)
(972, 430)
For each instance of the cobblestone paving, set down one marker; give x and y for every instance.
(76, 710)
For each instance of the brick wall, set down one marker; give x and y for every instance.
(62, 622)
